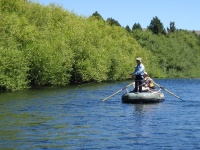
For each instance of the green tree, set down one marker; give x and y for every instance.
(156, 26)
(172, 27)
(112, 22)
(97, 16)
(127, 28)
(136, 26)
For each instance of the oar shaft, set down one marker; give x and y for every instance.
(112, 95)
(116, 92)
(169, 91)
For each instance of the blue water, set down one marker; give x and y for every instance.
(75, 118)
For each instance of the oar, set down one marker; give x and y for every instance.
(116, 92)
(168, 91)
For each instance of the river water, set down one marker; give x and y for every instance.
(75, 118)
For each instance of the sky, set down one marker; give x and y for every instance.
(184, 13)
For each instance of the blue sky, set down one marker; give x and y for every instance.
(185, 13)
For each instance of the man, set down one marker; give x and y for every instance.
(138, 74)
(147, 83)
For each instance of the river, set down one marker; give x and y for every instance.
(75, 118)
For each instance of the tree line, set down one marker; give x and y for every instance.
(48, 45)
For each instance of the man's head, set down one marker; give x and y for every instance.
(145, 74)
(139, 60)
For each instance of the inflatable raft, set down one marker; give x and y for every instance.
(144, 97)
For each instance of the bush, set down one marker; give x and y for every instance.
(13, 70)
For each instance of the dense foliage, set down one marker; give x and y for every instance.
(178, 53)
(47, 45)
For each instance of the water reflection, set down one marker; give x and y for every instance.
(145, 108)
(143, 121)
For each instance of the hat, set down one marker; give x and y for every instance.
(139, 59)
(146, 73)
